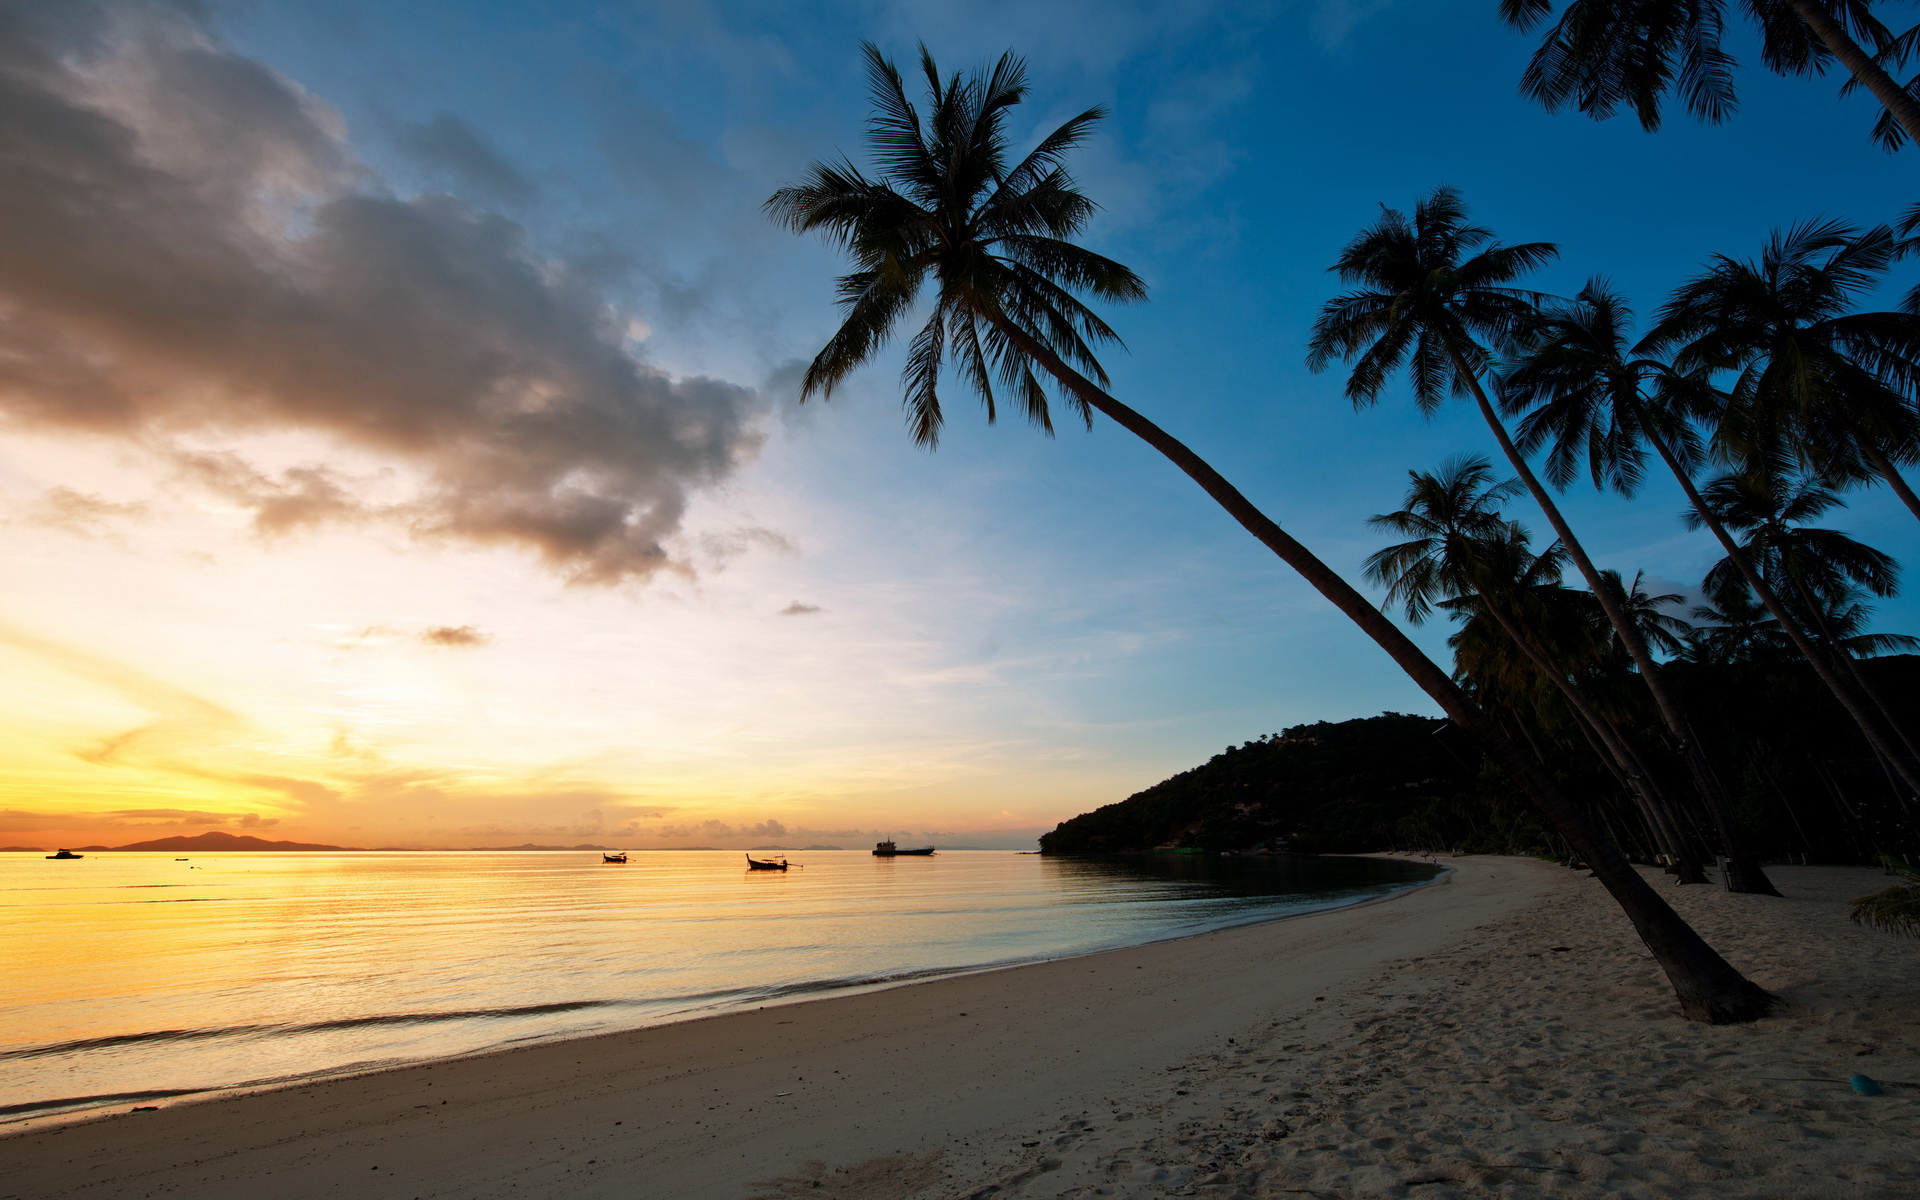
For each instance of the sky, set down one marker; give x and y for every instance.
(400, 439)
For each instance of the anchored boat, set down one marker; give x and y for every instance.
(889, 850)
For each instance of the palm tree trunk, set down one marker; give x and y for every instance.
(1665, 837)
(1848, 699)
(1887, 470)
(1708, 988)
(1743, 872)
(1860, 64)
(1838, 656)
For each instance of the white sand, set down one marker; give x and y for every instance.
(1432, 1045)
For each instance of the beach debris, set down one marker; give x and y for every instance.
(1866, 1085)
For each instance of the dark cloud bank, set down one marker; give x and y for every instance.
(190, 254)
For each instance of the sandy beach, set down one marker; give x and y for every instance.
(1497, 1033)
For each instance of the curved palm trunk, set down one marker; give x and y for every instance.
(1838, 656)
(1888, 471)
(1643, 790)
(1860, 64)
(1708, 987)
(1743, 873)
(1847, 697)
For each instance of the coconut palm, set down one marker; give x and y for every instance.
(1435, 295)
(953, 213)
(1823, 570)
(1651, 613)
(1597, 403)
(1459, 545)
(1812, 380)
(1735, 628)
(1601, 55)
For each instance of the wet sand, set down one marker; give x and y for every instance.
(1433, 1044)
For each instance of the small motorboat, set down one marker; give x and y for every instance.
(66, 854)
(614, 858)
(889, 850)
(765, 864)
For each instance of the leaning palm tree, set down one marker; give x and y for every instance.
(1596, 403)
(1458, 546)
(1601, 55)
(1435, 296)
(955, 214)
(1812, 379)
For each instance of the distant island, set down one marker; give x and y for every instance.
(217, 841)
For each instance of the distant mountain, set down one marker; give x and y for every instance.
(217, 841)
(825, 847)
(531, 846)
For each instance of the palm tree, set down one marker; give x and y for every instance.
(1602, 54)
(952, 214)
(1459, 545)
(1435, 295)
(1596, 403)
(1823, 569)
(1735, 628)
(1812, 380)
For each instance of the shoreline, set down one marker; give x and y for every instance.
(840, 1055)
(41, 1115)
(1500, 1033)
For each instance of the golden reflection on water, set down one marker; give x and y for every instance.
(130, 973)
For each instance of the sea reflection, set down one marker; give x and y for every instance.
(137, 975)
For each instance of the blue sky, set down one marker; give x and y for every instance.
(1041, 625)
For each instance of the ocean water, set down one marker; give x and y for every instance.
(129, 977)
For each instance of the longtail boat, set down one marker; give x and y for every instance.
(765, 864)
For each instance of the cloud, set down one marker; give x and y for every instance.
(455, 635)
(192, 256)
(797, 609)
(13, 820)
(83, 513)
(450, 146)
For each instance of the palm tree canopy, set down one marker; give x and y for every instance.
(951, 208)
(1451, 516)
(1811, 378)
(1796, 559)
(1648, 612)
(1604, 55)
(1433, 294)
(1590, 400)
(1734, 628)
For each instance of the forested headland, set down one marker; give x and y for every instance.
(1803, 781)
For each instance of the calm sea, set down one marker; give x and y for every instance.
(134, 976)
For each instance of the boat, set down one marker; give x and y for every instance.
(614, 858)
(66, 854)
(889, 850)
(765, 864)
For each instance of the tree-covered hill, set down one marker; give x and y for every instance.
(1328, 786)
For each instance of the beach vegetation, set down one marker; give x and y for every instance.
(1434, 299)
(1896, 909)
(1600, 56)
(954, 220)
